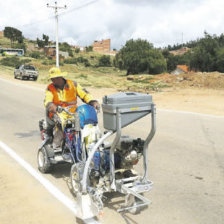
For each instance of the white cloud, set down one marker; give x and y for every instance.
(160, 22)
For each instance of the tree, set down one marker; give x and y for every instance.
(105, 61)
(13, 34)
(204, 55)
(156, 62)
(21, 46)
(220, 60)
(35, 54)
(46, 39)
(77, 50)
(89, 48)
(43, 42)
(138, 56)
(40, 43)
(66, 47)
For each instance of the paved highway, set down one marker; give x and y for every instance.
(186, 160)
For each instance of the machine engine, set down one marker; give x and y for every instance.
(130, 151)
(127, 154)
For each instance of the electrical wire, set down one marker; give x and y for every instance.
(60, 14)
(79, 7)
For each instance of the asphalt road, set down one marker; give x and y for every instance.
(186, 159)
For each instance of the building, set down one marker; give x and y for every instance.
(180, 69)
(102, 46)
(78, 47)
(63, 54)
(50, 50)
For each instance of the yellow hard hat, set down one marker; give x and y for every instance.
(56, 72)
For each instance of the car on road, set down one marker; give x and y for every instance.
(26, 72)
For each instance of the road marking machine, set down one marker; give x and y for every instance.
(99, 166)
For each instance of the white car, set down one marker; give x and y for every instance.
(26, 72)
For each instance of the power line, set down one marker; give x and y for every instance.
(79, 7)
(61, 14)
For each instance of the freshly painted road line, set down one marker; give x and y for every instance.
(46, 183)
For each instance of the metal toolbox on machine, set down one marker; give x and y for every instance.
(130, 105)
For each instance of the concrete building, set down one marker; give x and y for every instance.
(102, 46)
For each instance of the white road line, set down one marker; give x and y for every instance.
(46, 183)
(192, 113)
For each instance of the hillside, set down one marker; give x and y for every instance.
(84, 68)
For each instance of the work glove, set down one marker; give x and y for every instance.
(95, 104)
(52, 108)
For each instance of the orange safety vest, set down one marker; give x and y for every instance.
(70, 96)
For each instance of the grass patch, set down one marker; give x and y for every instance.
(99, 77)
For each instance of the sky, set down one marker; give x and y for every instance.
(160, 22)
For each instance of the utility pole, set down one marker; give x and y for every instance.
(182, 39)
(56, 7)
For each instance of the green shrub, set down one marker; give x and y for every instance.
(77, 50)
(35, 54)
(48, 62)
(81, 59)
(70, 53)
(104, 61)
(87, 64)
(85, 61)
(70, 61)
(25, 61)
(10, 61)
(89, 48)
(13, 61)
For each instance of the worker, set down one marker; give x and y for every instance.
(63, 92)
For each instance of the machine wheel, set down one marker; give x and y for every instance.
(43, 161)
(75, 178)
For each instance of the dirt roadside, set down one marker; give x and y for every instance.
(24, 200)
(13, 192)
(181, 98)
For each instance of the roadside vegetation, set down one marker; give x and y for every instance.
(87, 76)
(138, 65)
